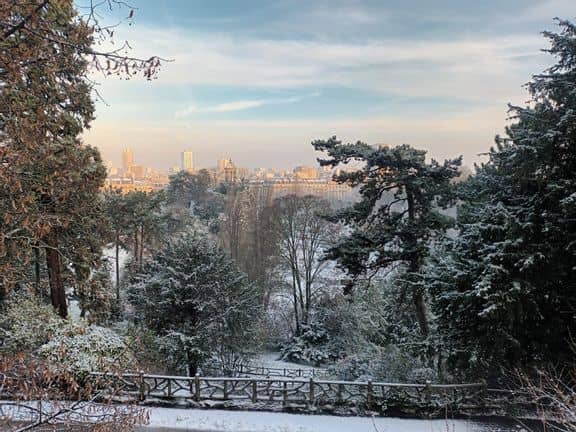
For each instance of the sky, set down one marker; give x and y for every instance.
(258, 80)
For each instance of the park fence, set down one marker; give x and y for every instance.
(290, 392)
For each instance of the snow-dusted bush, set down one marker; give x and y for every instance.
(80, 349)
(352, 368)
(422, 374)
(146, 346)
(389, 364)
(26, 323)
(312, 346)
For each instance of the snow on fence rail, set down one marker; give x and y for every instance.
(246, 370)
(302, 392)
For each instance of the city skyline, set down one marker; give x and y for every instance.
(260, 80)
(187, 162)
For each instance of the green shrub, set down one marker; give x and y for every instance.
(26, 324)
(80, 349)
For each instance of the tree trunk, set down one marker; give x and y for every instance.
(117, 267)
(414, 267)
(141, 245)
(296, 318)
(136, 245)
(421, 315)
(54, 266)
(192, 365)
(37, 271)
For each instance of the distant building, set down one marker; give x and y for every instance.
(111, 169)
(381, 146)
(223, 164)
(338, 195)
(187, 161)
(230, 172)
(127, 160)
(138, 171)
(306, 173)
(242, 173)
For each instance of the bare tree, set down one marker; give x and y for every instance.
(553, 392)
(34, 397)
(303, 235)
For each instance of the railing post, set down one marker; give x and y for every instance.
(142, 389)
(225, 390)
(484, 392)
(369, 394)
(169, 386)
(339, 393)
(428, 392)
(311, 391)
(254, 391)
(284, 393)
(197, 388)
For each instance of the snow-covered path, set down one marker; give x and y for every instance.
(270, 360)
(195, 420)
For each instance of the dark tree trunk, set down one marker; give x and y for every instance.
(420, 306)
(141, 245)
(136, 245)
(296, 318)
(117, 267)
(192, 365)
(37, 271)
(414, 267)
(54, 266)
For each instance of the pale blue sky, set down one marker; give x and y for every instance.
(259, 80)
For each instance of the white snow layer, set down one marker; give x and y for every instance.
(196, 420)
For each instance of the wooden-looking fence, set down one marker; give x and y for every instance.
(249, 370)
(291, 392)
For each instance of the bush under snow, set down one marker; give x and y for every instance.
(81, 349)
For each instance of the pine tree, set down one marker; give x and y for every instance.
(505, 292)
(397, 214)
(194, 297)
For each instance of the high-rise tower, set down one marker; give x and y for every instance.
(187, 160)
(127, 160)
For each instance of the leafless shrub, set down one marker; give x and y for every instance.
(34, 397)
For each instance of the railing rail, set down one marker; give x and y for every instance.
(247, 369)
(295, 391)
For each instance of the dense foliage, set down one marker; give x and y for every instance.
(197, 301)
(505, 292)
(397, 214)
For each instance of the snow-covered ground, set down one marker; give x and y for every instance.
(270, 360)
(173, 419)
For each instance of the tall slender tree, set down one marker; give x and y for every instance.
(303, 234)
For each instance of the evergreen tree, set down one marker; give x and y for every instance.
(49, 181)
(505, 292)
(397, 214)
(193, 296)
(185, 187)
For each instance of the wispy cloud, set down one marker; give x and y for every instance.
(487, 68)
(241, 105)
